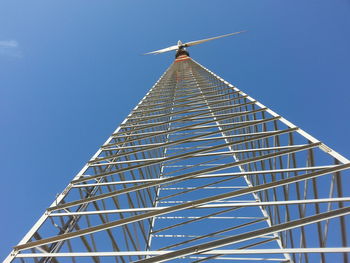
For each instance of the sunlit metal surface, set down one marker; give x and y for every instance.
(199, 171)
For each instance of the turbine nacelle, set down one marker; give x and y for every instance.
(181, 47)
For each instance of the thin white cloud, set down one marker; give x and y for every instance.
(8, 43)
(10, 48)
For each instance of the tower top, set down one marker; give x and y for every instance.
(181, 52)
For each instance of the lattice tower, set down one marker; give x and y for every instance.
(199, 171)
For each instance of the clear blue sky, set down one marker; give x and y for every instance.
(70, 71)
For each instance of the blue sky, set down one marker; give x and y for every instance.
(70, 72)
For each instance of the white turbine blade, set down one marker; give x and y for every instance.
(163, 50)
(192, 43)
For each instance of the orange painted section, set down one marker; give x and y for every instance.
(182, 58)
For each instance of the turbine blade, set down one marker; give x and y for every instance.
(163, 50)
(192, 43)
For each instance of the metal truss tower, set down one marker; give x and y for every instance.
(199, 171)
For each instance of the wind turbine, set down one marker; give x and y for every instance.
(197, 159)
(181, 47)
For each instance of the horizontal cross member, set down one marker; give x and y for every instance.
(211, 252)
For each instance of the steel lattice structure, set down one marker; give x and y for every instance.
(199, 171)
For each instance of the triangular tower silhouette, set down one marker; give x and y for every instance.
(199, 171)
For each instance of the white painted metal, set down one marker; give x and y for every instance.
(197, 166)
(239, 204)
(212, 252)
